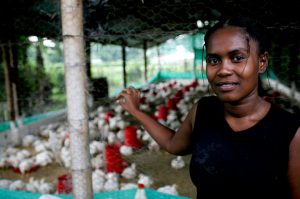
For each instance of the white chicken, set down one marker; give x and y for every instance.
(112, 182)
(177, 163)
(17, 185)
(169, 189)
(44, 158)
(130, 185)
(153, 145)
(120, 135)
(40, 146)
(47, 196)
(15, 134)
(126, 150)
(129, 172)
(4, 184)
(56, 142)
(15, 159)
(32, 185)
(98, 161)
(146, 136)
(26, 165)
(3, 162)
(96, 147)
(147, 181)
(98, 179)
(118, 108)
(145, 107)
(66, 156)
(11, 150)
(22, 154)
(28, 140)
(45, 187)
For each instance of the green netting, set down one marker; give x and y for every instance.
(269, 74)
(5, 125)
(163, 76)
(160, 76)
(121, 194)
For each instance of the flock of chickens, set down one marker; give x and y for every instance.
(168, 102)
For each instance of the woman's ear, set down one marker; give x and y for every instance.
(263, 62)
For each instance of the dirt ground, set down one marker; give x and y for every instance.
(158, 166)
(155, 164)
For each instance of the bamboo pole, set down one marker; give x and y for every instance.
(76, 87)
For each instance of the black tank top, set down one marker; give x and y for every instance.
(241, 165)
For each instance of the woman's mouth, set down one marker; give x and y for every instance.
(227, 86)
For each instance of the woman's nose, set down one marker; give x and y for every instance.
(225, 69)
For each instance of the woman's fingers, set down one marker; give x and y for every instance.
(128, 93)
(130, 90)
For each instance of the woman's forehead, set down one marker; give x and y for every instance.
(229, 38)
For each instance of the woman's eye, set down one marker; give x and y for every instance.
(212, 61)
(237, 59)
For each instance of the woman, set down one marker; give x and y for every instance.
(242, 146)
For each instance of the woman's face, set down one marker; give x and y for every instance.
(232, 64)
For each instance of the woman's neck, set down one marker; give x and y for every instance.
(248, 107)
(244, 115)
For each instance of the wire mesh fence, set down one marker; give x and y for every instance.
(127, 51)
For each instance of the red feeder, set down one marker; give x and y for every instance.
(171, 104)
(107, 116)
(114, 161)
(162, 112)
(130, 137)
(64, 184)
(195, 83)
(32, 169)
(186, 89)
(142, 100)
(178, 95)
(153, 116)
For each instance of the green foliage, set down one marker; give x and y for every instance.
(106, 62)
(106, 53)
(57, 79)
(53, 55)
(27, 87)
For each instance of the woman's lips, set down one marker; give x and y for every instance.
(227, 86)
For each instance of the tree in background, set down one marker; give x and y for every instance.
(41, 79)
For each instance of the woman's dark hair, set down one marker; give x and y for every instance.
(252, 27)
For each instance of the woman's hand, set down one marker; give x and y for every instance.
(129, 99)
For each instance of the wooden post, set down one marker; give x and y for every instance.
(10, 71)
(158, 58)
(15, 78)
(40, 74)
(76, 87)
(145, 61)
(11, 78)
(8, 87)
(124, 65)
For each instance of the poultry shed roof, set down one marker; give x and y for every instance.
(134, 22)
